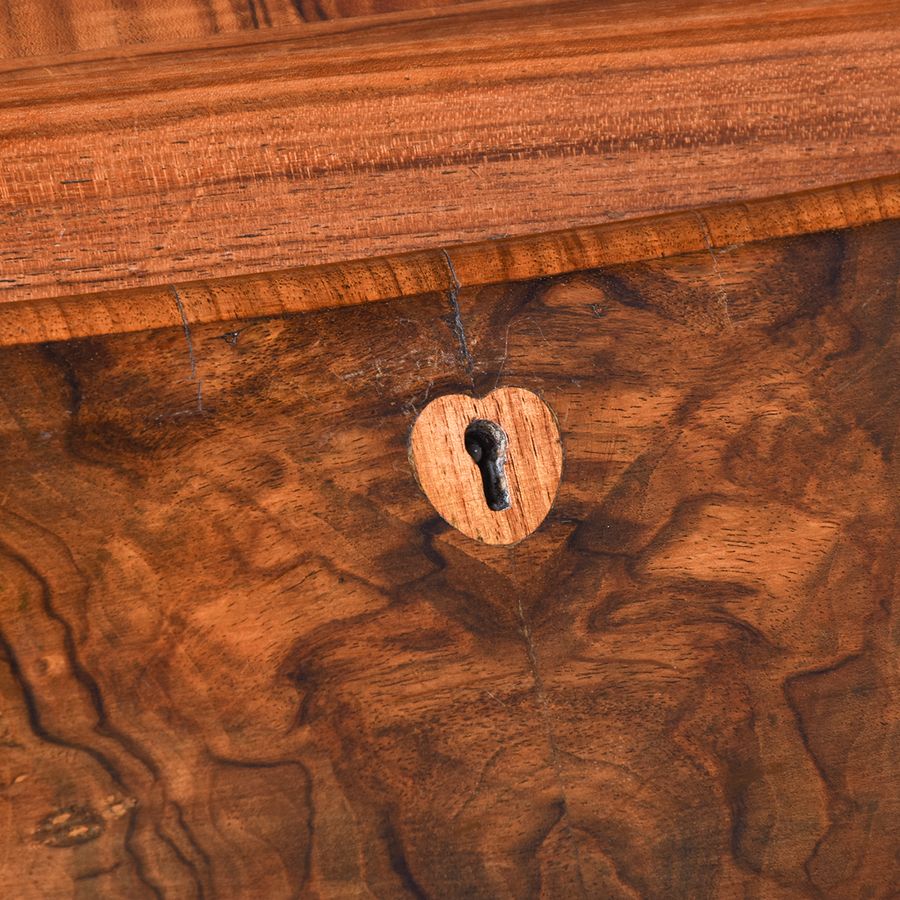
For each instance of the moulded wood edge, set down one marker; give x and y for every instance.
(490, 262)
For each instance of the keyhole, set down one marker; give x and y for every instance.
(486, 443)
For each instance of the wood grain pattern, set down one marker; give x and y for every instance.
(404, 275)
(376, 136)
(453, 484)
(241, 656)
(30, 28)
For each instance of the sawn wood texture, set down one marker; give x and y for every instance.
(243, 657)
(416, 130)
(30, 28)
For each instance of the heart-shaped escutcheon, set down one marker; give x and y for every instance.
(490, 465)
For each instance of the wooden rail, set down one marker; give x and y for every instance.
(373, 136)
(513, 259)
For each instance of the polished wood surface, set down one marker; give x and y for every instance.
(30, 28)
(243, 657)
(412, 131)
(531, 256)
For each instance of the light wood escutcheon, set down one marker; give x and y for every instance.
(452, 482)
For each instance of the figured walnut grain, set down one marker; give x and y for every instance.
(234, 631)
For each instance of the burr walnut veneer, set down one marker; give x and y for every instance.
(242, 655)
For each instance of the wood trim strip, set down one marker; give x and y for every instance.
(490, 262)
(384, 135)
(89, 28)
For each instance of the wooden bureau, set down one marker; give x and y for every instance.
(242, 655)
